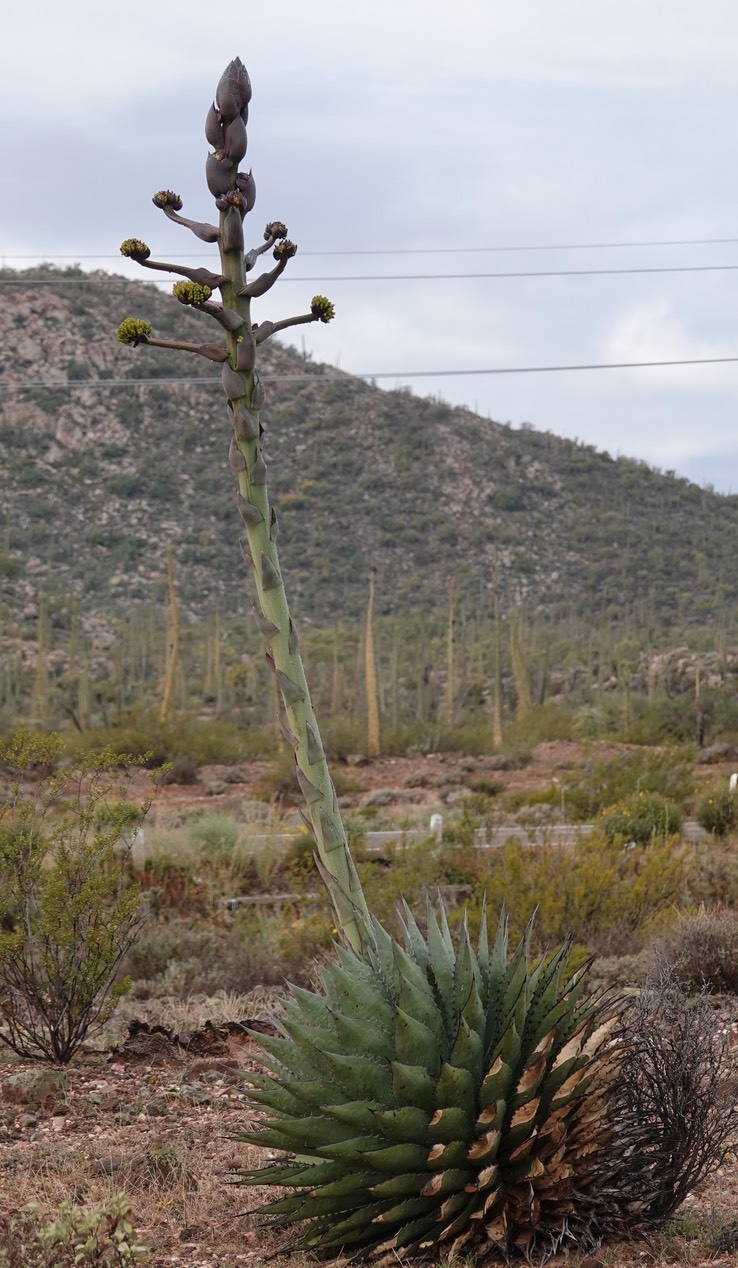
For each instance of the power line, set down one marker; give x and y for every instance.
(345, 377)
(556, 246)
(413, 277)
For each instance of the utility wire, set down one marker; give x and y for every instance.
(412, 277)
(557, 246)
(345, 376)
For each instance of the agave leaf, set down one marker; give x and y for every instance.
(315, 1092)
(358, 1115)
(355, 1182)
(311, 1039)
(415, 1044)
(384, 952)
(495, 1083)
(350, 1151)
(357, 1034)
(449, 1181)
(305, 1006)
(413, 1085)
(277, 1097)
(407, 969)
(416, 942)
(462, 1209)
(361, 1077)
(312, 1131)
(405, 1124)
(411, 1235)
(397, 1158)
(352, 1231)
(305, 1206)
(290, 1173)
(450, 1123)
(466, 970)
(400, 1185)
(423, 1007)
(468, 1052)
(457, 1087)
(473, 1012)
(286, 1059)
(441, 1157)
(405, 1210)
(530, 1081)
(508, 1047)
(442, 970)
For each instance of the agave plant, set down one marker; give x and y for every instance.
(434, 1098)
(426, 1095)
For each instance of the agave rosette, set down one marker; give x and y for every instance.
(432, 1097)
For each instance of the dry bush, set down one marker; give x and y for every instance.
(674, 1106)
(703, 952)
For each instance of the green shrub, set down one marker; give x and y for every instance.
(603, 783)
(68, 912)
(608, 899)
(73, 1237)
(640, 818)
(716, 810)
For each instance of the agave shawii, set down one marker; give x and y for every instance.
(435, 1098)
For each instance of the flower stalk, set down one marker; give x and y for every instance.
(234, 194)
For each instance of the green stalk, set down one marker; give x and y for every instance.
(234, 194)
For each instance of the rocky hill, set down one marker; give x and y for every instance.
(109, 455)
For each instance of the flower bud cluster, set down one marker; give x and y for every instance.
(322, 308)
(135, 249)
(191, 293)
(134, 330)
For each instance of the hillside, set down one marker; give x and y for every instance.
(98, 480)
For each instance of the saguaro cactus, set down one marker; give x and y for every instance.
(235, 192)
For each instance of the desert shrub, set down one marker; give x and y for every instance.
(607, 898)
(216, 834)
(200, 741)
(551, 721)
(280, 784)
(673, 1107)
(71, 1237)
(714, 877)
(716, 810)
(663, 720)
(703, 952)
(640, 818)
(487, 785)
(257, 948)
(604, 783)
(68, 912)
(183, 770)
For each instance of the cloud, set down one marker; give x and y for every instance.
(652, 332)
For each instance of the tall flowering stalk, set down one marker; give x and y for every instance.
(234, 192)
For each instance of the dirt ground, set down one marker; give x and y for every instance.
(156, 1121)
(154, 1118)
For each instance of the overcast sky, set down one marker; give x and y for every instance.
(409, 125)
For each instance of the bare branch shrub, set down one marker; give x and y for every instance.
(673, 1107)
(69, 912)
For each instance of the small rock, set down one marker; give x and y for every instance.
(34, 1087)
(215, 787)
(58, 1122)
